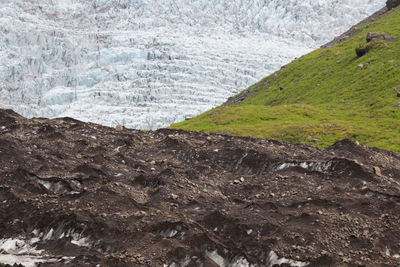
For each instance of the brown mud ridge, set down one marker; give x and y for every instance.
(74, 193)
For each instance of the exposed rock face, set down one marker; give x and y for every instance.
(377, 36)
(79, 193)
(390, 4)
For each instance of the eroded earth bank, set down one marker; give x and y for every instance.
(74, 193)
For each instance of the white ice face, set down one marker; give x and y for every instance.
(148, 63)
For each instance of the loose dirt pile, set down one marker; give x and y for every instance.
(74, 193)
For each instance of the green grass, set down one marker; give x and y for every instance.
(325, 96)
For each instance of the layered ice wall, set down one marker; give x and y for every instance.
(148, 63)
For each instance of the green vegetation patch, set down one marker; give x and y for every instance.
(324, 96)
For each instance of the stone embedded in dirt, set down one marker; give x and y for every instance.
(106, 207)
(119, 128)
(377, 171)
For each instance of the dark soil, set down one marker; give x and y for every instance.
(176, 198)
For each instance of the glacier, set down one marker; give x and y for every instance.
(147, 63)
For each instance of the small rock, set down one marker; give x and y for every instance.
(242, 179)
(236, 182)
(78, 156)
(346, 259)
(319, 212)
(208, 138)
(174, 197)
(153, 162)
(140, 213)
(360, 66)
(272, 195)
(119, 128)
(396, 105)
(311, 139)
(371, 36)
(377, 171)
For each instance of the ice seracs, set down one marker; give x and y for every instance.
(148, 63)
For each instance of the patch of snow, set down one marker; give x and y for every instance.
(169, 233)
(216, 258)
(17, 246)
(389, 254)
(24, 260)
(241, 262)
(82, 242)
(273, 259)
(312, 166)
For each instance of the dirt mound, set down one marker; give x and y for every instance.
(74, 193)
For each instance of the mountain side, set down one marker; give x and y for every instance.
(327, 95)
(74, 193)
(146, 63)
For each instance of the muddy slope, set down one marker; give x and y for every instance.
(73, 193)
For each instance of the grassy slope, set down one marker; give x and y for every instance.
(325, 97)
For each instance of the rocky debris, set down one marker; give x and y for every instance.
(377, 171)
(373, 39)
(377, 36)
(397, 90)
(390, 4)
(112, 206)
(360, 66)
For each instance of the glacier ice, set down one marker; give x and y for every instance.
(147, 63)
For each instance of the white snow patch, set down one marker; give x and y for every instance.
(17, 246)
(24, 260)
(216, 258)
(273, 259)
(389, 254)
(241, 262)
(312, 166)
(82, 242)
(169, 233)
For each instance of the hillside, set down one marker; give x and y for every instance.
(81, 194)
(324, 96)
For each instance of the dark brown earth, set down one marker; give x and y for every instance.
(177, 198)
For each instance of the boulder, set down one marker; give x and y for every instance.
(362, 49)
(377, 36)
(390, 4)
